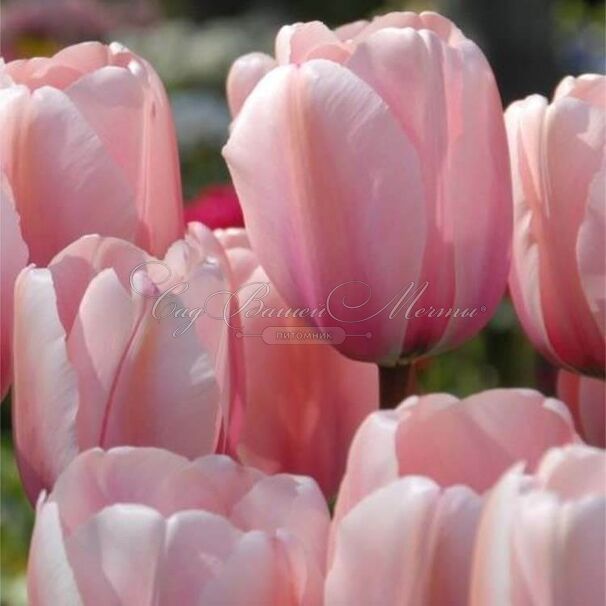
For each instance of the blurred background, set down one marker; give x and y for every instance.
(531, 45)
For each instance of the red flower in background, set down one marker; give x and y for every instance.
(217, 206)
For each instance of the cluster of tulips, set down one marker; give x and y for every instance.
(175, 456)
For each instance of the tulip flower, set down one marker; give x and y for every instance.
(111, 349)
(558, 274)
(143, 526)
(13, 256)
(542, 539)
(469, 442)
(532, 539)
(304, 401)
(373, 174)
(88, 145)
(586, 399)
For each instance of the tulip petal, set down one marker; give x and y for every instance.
(290, 503)
(14, 253)
(574, 142)
(50, 578)
(243, 77)
(69, 185)
(160, 400)
(96, 354)
(524, 120)
(111, 546)
(413, 532)
(294, 43)
(329, 155)
(474, 442)
(44, 410)
(586, 399)
(75, 266)
(197, 545)
(257, 572)
(591, 250)
(371, 462)
(97, 479)
(129, 112)
(350, 30)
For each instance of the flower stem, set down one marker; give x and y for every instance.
(395, 384)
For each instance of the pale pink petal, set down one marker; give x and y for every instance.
(145, 408)
(44, 409)
(295, 43)
(50, 578)
(305, 178)
(243, 76)
(466, 266)
(350, 30)
(41, 71)
(200, 265)
(524, 121)
(442, 26)
(473, 442)
(579, 572)
(574, 471)
(75, 267)
(586, 398)
(69, 185)
(587, 87)
(372, 459)
(396, 19)
(85, 57)
(111, 546)
(197, 545)
(491, 574)
(258, 572)
(574, 143)
(14, 254)
(591, 250)
(96, 479)
(291, 503)
(160, 199)
(97, 354)
(214, 483)
(110, 99)
(409, 531)
(542, 539)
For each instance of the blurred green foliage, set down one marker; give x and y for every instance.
(16, 523)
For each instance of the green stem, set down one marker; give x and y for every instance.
(395, 384)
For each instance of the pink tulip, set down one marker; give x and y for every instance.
(558, 276)
(143, 527)
(304, 401)
(13, 256)
(369, 166)
(586, 398)
(101, 360)
(469, 442)
(542, 539)
(88, 144)
(532, 539)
